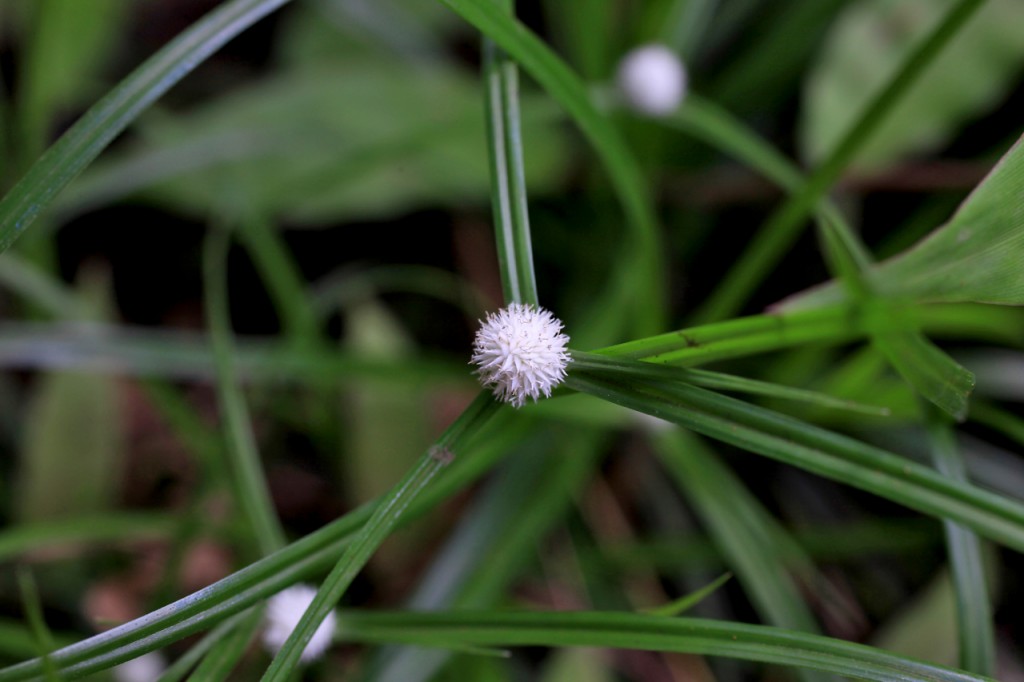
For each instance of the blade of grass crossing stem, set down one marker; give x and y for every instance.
(33, 608)
(511, 543)
(180, 668)
(719, 381)
(511, 552)
(637, 631)
(782, 228)
(816, 450)
(719, 129)
(742, 529)
(928, 370)
(641, 265)
(508, 177)
(974, 614)
(244, 588)
(281, 275)
(739, 525)
(222, 658)
(375, 531)
(250, 484)
(45, 291)
(84, 141)
(79, 531)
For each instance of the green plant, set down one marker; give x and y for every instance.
(841, 380)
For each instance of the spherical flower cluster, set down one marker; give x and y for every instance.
(283, 612)
(520, 351)
(652, 79)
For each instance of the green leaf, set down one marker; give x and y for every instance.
(742, 529)
(82, 530)
(816, 450)
(651, 633)
(782, 228)
(244, 588)
(369, 410)
(72, 449)
(223, 656)
(360, 139)
(80, 145)
(252, 493)
(928, 369)
(372, 534)
(68, 44)
(977, 256)
(866, 45)
(974, 614)
(688, 601)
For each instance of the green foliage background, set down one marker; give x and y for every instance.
(246, 246)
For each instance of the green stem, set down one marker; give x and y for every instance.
(390, 509)
(251, 486)
(508, 177)
(642, 266)
(783, 227)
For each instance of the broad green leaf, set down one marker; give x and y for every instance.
(865, 47)
(332, 31)
(652, 633)
(69, 42)
(376, 452)
(978, 255)
(71, 456)
(91, 134)
(354, 140)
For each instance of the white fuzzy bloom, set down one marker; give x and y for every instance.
(283, 612)
(145, 668)
(652, 80)
(521, 352)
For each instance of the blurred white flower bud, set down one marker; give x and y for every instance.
(652, 80)
(145, 668)
(284, 610)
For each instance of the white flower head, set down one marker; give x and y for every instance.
(283, 612)
(520, 351)
(145, 668)
(652, 79)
